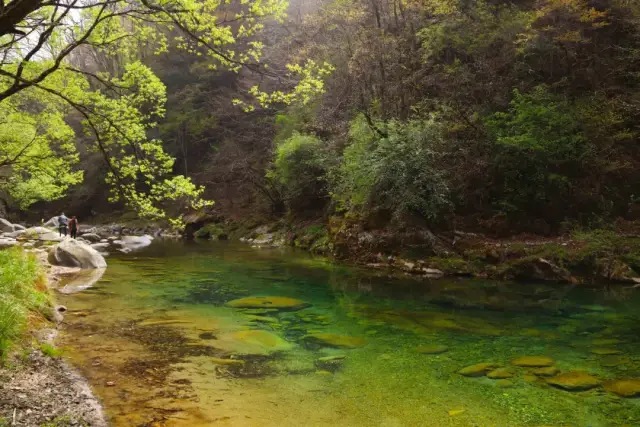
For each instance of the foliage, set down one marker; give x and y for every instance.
(397, 170)
(298, 167)
(37, 149)
(22, 290)
(541, 149)
(51, 52)
(50, 351)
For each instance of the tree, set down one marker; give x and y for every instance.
(39, 39)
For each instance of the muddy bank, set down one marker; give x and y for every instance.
(38, 388)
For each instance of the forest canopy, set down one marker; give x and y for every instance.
(514, 116)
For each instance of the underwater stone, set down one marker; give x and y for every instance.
(330, 363)
(263, 319)
(477, 370)
(533, 361)
(574, 381)
(504, 383)
(623, 388)
(335, 340)
(256, 342)
(549, 371)
(280, 303)
(500, 373)
(432, 349)
(605, 351)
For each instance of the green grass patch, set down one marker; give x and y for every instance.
(49, 350)
(23, 291)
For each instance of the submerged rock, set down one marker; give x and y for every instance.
(335, 340)
(549, 371)
(623, 388)
(432, 349)
(71, 253)
(81, 280)
(574, 381)
(500, 373)
(605, 351)
(280, 303)
(477, 370)
(533, 361)
(263, 319)
(330, 363)
(253, 342)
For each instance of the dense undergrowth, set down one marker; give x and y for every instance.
(24, 297)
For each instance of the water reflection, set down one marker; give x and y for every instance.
(372, 349)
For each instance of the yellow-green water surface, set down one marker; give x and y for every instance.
(161, 347)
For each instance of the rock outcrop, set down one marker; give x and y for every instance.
(71, 253)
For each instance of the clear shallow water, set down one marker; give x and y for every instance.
(155, 339)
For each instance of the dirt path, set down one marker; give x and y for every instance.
(36, 389)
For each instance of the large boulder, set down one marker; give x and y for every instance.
(41, 233)
(5, 226)
(18, 227)
(53, 222)
(71, 253)
(7, 242)
(134, 242)
(92, 237)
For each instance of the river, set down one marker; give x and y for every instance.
(161, 345)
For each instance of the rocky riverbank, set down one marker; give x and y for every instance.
(37, 386)
(591, 258)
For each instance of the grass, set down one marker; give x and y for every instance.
(23, 291)
(49, 350)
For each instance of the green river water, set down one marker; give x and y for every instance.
(161, 347)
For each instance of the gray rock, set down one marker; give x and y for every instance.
(6, 226)
(100, 246)
(18, 227)
(91, 237)
(7, 243)
(134, 242)
(71, 253)
(53, 222)
(81, 280)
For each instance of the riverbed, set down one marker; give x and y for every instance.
(171, 336)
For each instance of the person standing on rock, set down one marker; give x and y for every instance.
(62, 224)
(73, 227)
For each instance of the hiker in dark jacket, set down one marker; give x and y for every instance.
(62, 224)
(73, 227)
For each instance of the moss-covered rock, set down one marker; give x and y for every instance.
(623, 388)
(335, 340)
(478, 370)
(533, 361)
(280, 303)
(574, 381)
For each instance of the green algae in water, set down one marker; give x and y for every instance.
(160, 331)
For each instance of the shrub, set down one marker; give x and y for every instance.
(396, 170)
(540, 154)
(298, 168)
(22, 290)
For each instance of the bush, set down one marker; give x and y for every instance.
(22, 290)
(539, 157)
(49, 350)
(299, 169)
(396, 170)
